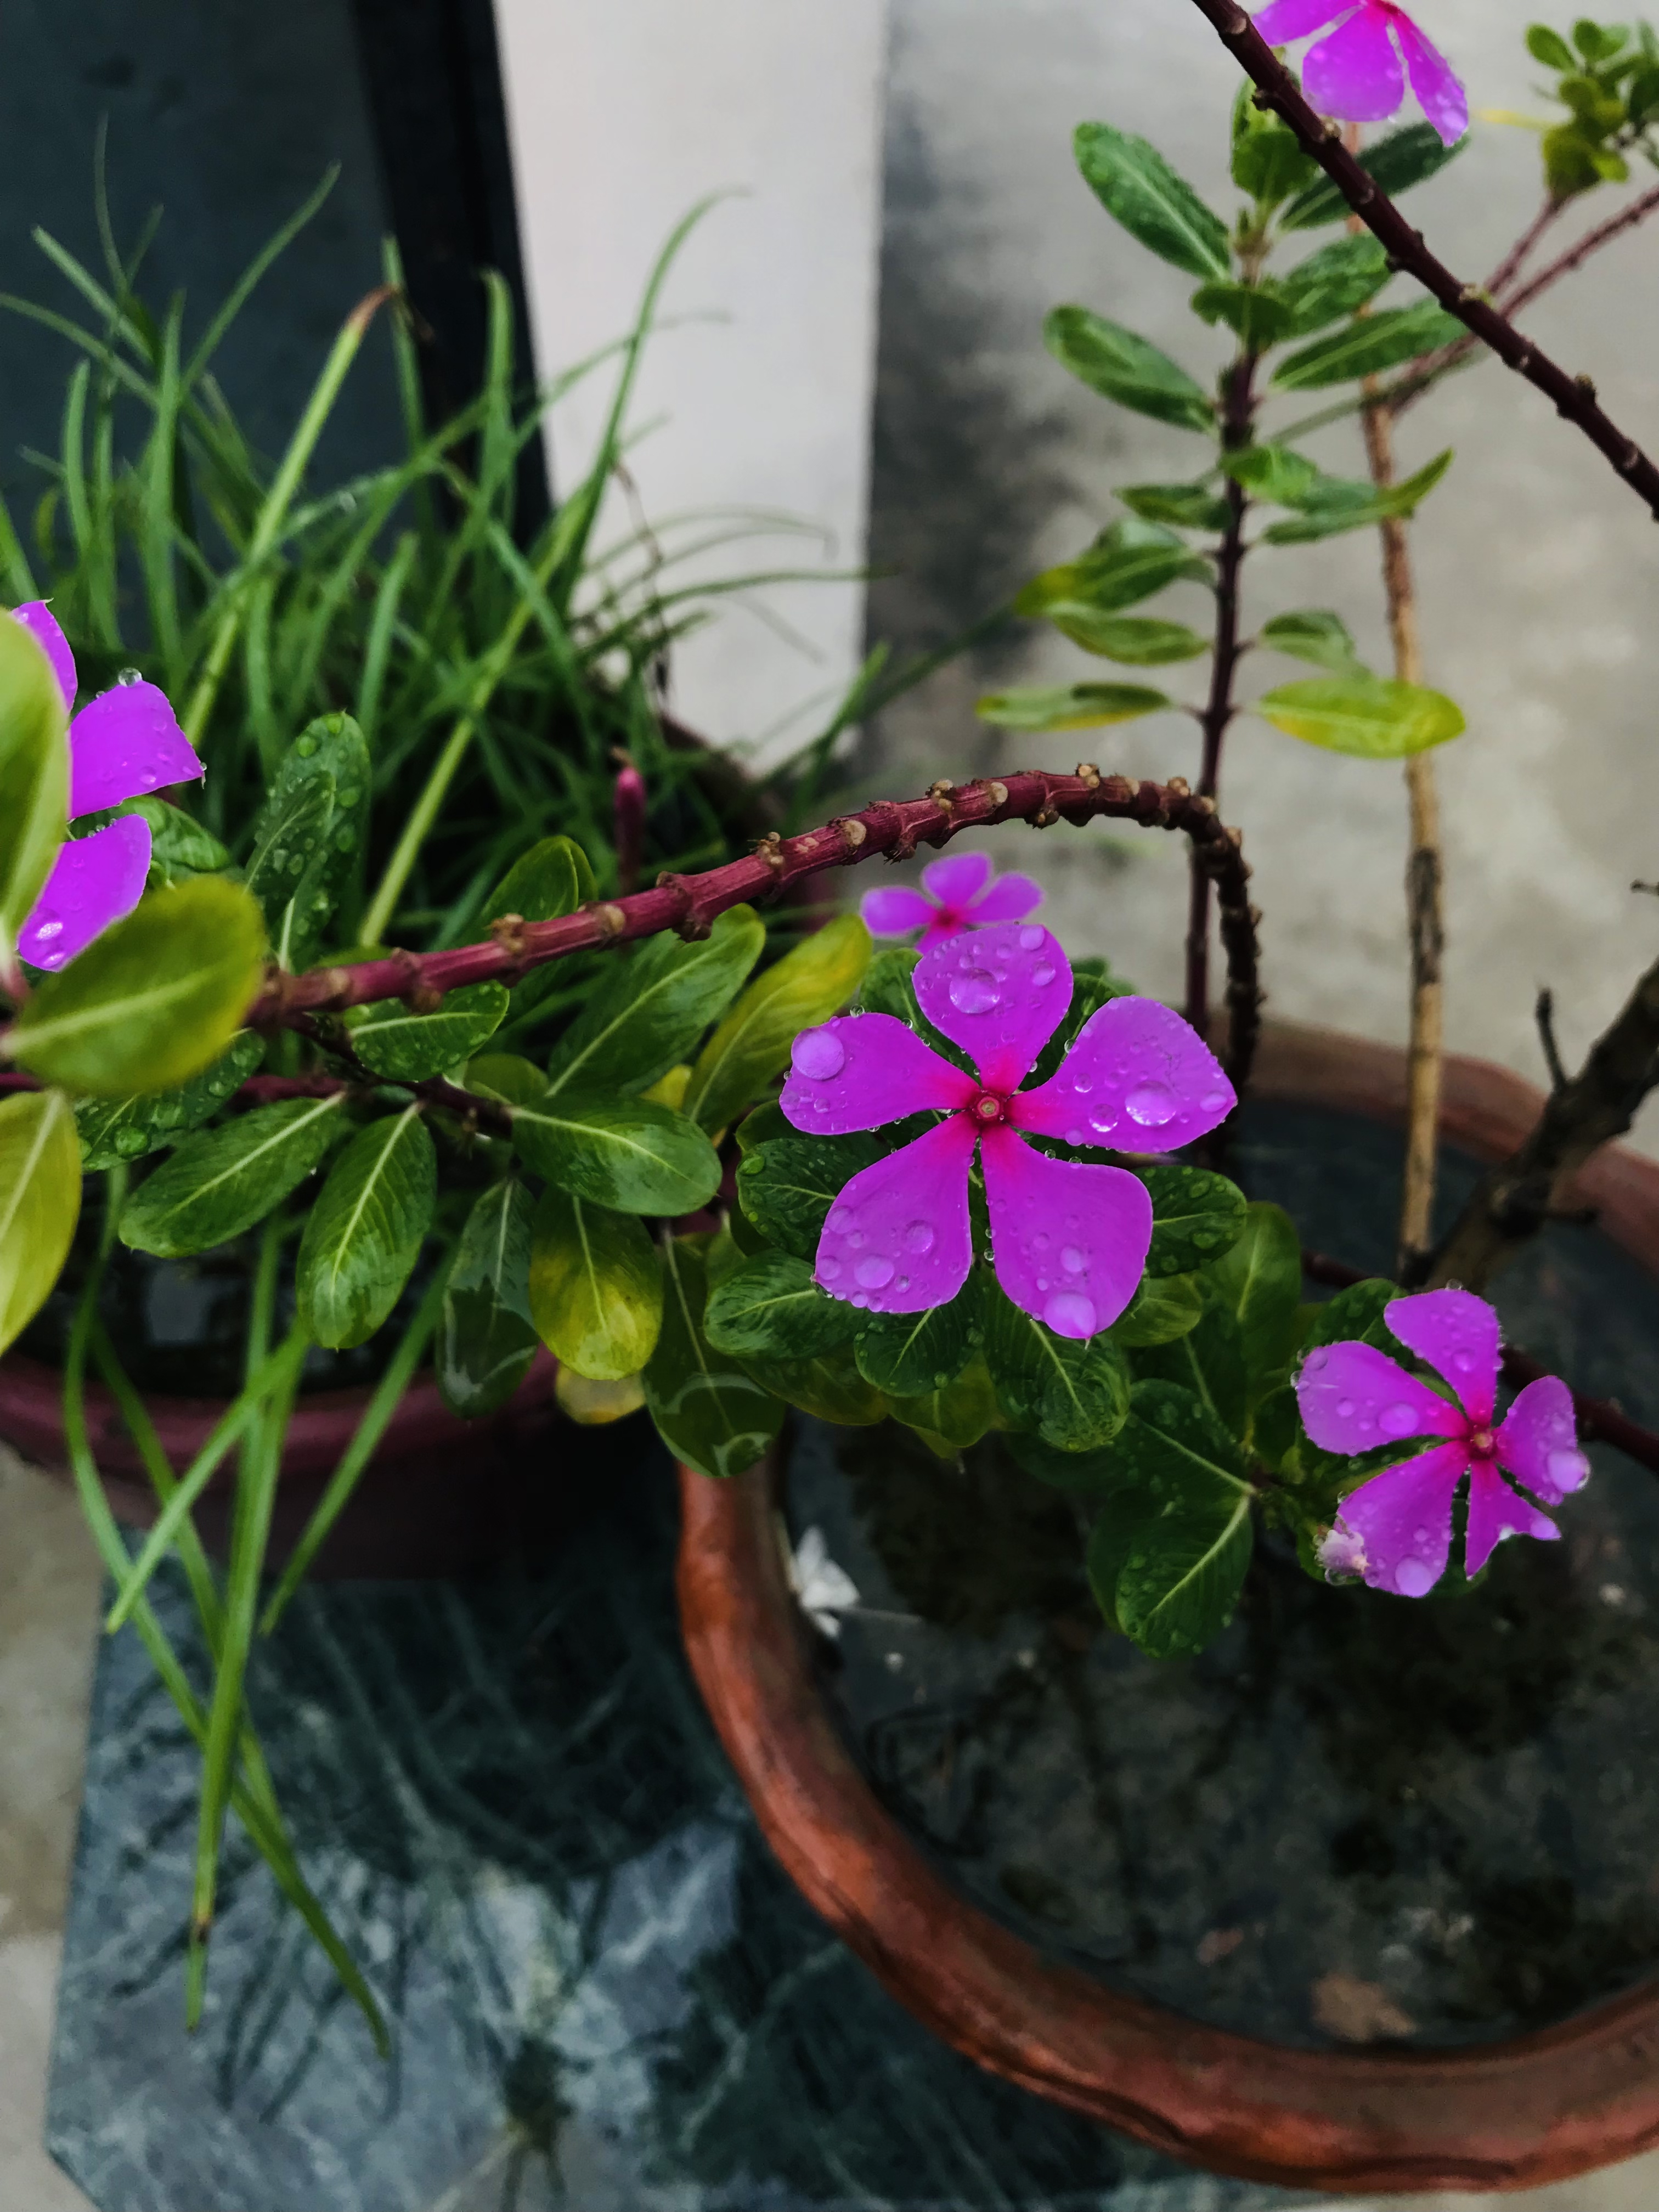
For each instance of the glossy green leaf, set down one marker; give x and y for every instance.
(1185, 1565)
(1075, 1395)
(1334, 505)
(364, 1234)
(39, 1198)
(1123, 1512)
(1070, 706)
(787, 1184)
(1368, 345)
(1185, 507)
(508, 1076)
(1120, 365)
(770, 1308)
(1372, 717)
(908, 1355)
(1084, 1474)
(153, 1001)
(1209, 1361)
(709, 1413)
(1196, 1217)
(179, 847)
(621, 1153)
(595, 1288)
(1549, 48)
(486, 1339)
(553, 878)
(1314, 634)
(1338, 281)
(955, 1415)
(1164, 1308)
(652, 1005)
(1134, 183)
(114, 1131)
(392, 1039)
(33, 775)
(310, 835)
(1260, 1282)
(1136, 640)
(1126, 563)
(1397, 162)
(221, 1181)
(1273, 474)
(1258, 314)
(750, 1048)
(830, 1388)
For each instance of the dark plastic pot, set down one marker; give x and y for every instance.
(1535, 2107)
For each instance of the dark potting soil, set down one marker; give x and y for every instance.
(1355, 1818)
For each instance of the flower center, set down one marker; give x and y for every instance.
(991, 1106)
(1483, 1444)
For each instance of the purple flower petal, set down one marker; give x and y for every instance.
(958, 880)
(861, 1070)
(1354, 1398)
(94, 881)
(944, 925)
(1539, 1442)
(39, 619)
(123, 745)
(1439, 92)
(1069, 1241)
(1287, 21)
(1137, 1077)
(1496, 1511)
(898, 1239)
(1456, 1333)
(1000, 994)
(1355, 74)
(895, 912)
(1403, 1519)
(1011, 898)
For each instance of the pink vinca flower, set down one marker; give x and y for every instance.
(1359, 73)
(123, 745)
(1069, 1240)
(1395, 1530)
(960, 895)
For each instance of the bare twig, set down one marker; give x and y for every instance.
(1574, 396)
(1522, 251)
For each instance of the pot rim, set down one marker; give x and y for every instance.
(1543, 2106)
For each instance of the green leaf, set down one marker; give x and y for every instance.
(1070, 706)
(117, 1130)
(1136, 640)
(486, 1339)
(1355, 1312)
(33, 776)
(1196, 1217)
(153, 1001)
(951, 1417)
(180, 846)
(1268, 161)
(786, 1185)
(1127, 563)
(708, 1412)
(595, 1288)
(829, 1388)
(769, 1308)
(1372, 717)
(1549, 48)
(1120, 365)
(1642, 96)
(1164, 1308)
(1314, 634)
(40, 1191)
(652, 1005)
(1259, 1283)
(1134, 183)
(750, 1048)
(1125, 1511)
(310, 835)
(1075, 1394)
(1085, 1474)
(621, 1152)
(364, 1234)
(1598, 42)
(1187, 506)
(1368, 345)
(389, 1038)
(1273, 474)
(908, 1355)
(1338, 281)
(1257, 313)
(1397, 162)
(221, 1181)
(507, 1076)
(1575, 164)
(1334, 505)
(1180, 1578)
(552, 879)
(1209, 1361)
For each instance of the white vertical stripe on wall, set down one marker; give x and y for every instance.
(624, 113)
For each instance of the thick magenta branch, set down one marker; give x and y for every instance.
(1574, 396)
(689, 904)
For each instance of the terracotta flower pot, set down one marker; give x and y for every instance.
(1537, 2107)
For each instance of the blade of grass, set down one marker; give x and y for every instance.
(239, 294)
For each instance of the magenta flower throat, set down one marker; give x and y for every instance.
(960, 895)
(1396, 1529)
(1359, 73)
(1069, 1239)
(123, 746)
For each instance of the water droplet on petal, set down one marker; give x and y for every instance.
(974, 991)
(1152, 1105)
(1414, 1578)
(1041, 1240)
(817, 1054)
(1316, 1358)
(1042, 977)
(856, 1239)
(1344, 1407)
(874, 1270)
(918, 1237)
(1464, 1361)
(1074, 1136)
(1398, 1421)
(1213, 1101)
(129, 676)
(1068, 1313)
(49, 928)
(1029, 939)
(1074, 1261)
(1567, 1469)
(829, 1270)
(841, 1217)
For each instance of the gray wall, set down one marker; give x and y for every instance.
(1537, 568)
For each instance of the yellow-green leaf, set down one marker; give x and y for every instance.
(752, 1045)
(1372, 717)
(40, 1201)
(34, 775)
(595, 1288)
